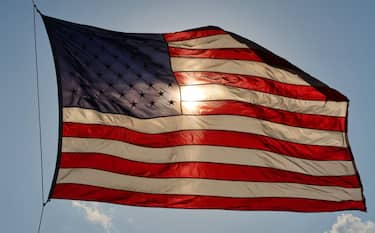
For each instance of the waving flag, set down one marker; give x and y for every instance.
(196, 119)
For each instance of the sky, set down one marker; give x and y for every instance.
(331, 40)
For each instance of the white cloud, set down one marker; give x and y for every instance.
(347, 223)
(95, 214)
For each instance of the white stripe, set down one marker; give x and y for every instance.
(253, 68)
(206, 187)
(208, 42)
(208, 122)
(203, 153)
(220, 92)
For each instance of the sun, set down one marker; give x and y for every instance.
(190, 97)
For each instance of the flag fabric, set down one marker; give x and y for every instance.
(198, 119)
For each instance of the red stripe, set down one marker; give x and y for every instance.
(231, 53)
(228, 107)
(206, 137)
(259, 84)
(203, 170)
(92, 193)
(187, 35)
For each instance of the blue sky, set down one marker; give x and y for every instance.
(331, 40)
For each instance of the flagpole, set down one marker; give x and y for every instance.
(36, 9)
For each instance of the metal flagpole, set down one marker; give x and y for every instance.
(35, 9)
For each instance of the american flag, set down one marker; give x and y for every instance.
(202, 118)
